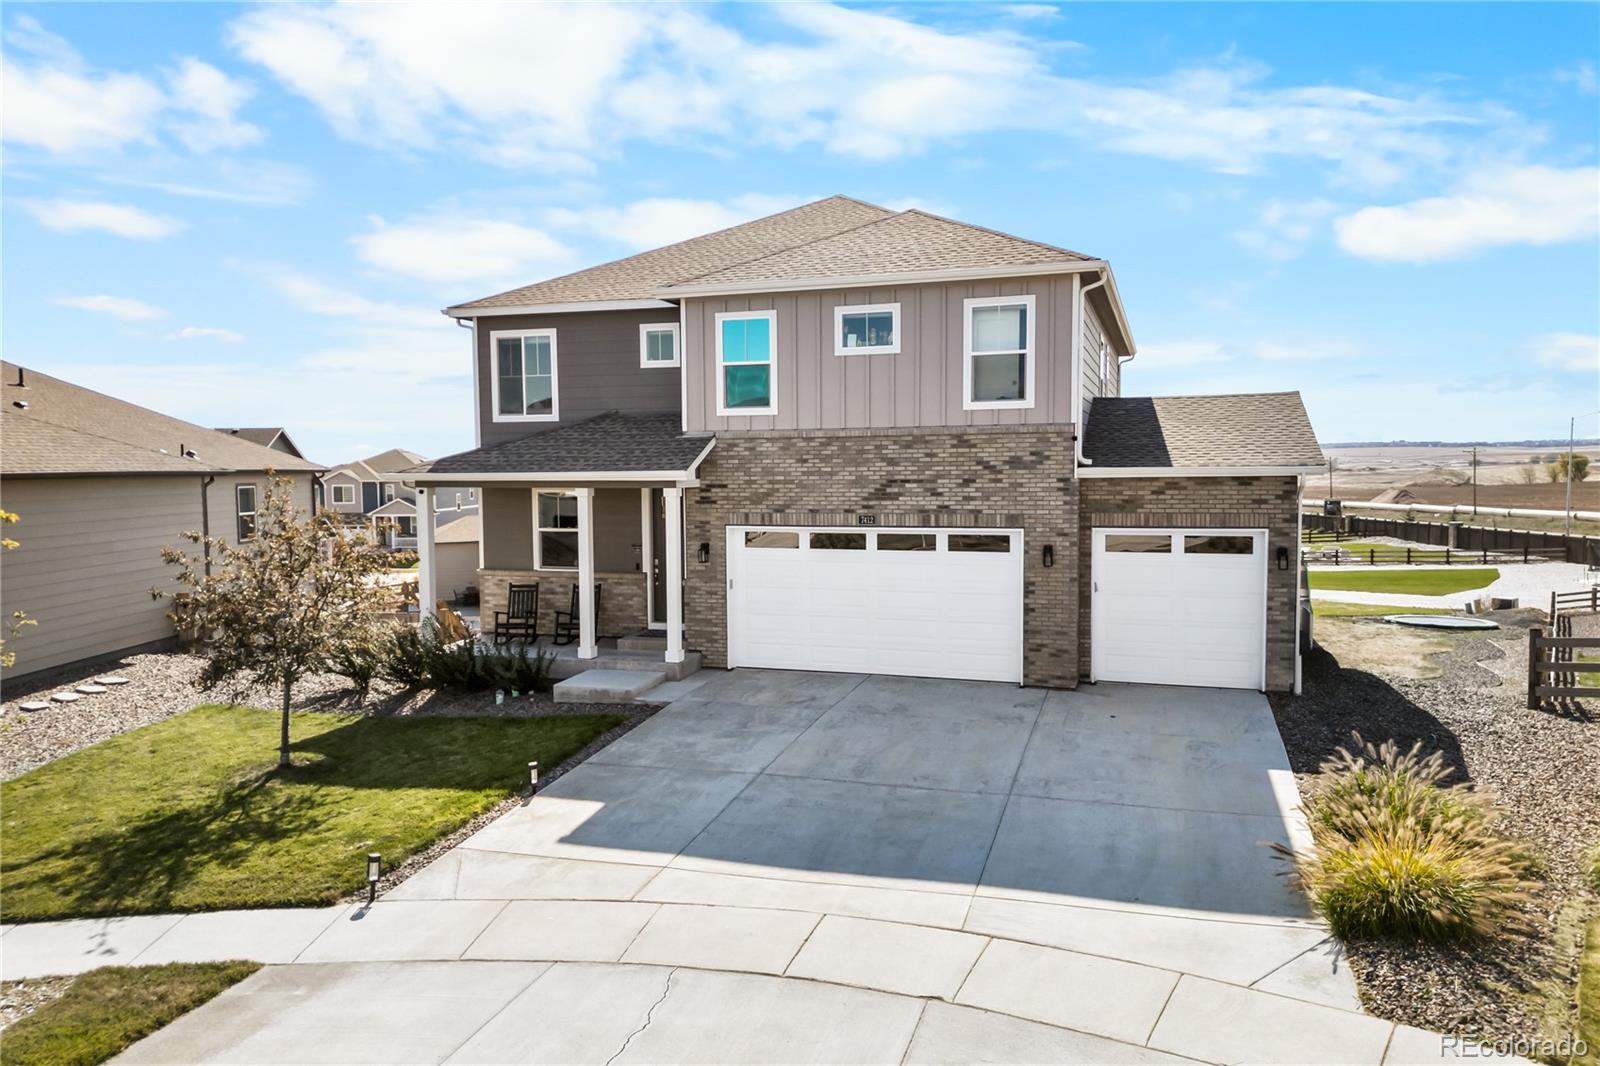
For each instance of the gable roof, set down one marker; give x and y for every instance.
(641, 276)
(647, 445)
(911, 242)
(266, 436)
(392, 460)
(395, 508)
(55, 427)
(1244, 430)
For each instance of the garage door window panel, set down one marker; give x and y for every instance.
(907, 542)
(1130, 542)
(746, 358)
(839, 542)
(1219, 545)
(979, 542)
(771, 538)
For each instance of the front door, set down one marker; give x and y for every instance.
(658, 563)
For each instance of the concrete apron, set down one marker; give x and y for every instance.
(796, 867)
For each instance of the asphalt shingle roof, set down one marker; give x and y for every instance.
(909, 242)
(62, 428)
(642, 276)
(609, 443)
(1238, 430)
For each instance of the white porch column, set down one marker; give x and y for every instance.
(672, 497)
(427, 593)
(587, 648)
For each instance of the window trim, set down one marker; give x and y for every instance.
(239, 512)
(771, 363)
(1030, 354)
(645, 329)
(538, 530)
(386, 493)
(840, 310)
(333, 493)
(495, 337)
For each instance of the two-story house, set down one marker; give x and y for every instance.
(377, 491)
(853, 439)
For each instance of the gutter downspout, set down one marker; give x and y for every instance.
(477, 400)
(1079, 291)
(205, 520)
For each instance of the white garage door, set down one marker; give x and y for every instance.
(1180, 606)
(925, 603)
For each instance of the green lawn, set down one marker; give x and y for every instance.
(1334, 609)
(1409, 582)
(108, 1009)
(1589, 994)
(193, 813)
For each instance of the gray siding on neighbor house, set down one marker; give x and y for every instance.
(222, 499)
(919, 386)
(508, 529)
(456, 567)
(89, 552)
(597, 368)
(342, 479)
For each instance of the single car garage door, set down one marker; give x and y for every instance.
(921, 602)
(1180, 607)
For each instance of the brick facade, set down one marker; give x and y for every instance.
(1017, 477)
(622, 598)
(1270, 503)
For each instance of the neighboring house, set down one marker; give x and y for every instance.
(848, 438)
(101, 486)
(378, 490)
(275, 437)
(455, 555)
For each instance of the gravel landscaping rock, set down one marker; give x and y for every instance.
(1544, 769)
(18, 999)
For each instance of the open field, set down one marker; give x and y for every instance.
(1444, 476)
(1402, 582)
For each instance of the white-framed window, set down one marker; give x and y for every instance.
(244, 509)
(998, 361)
(747, 362)
(555, 531)
(388, 491)
(405, 526)
(866, 329)
(658, 344)
(523, 375)
(343, 493)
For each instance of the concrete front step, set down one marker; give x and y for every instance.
(607, 686)
(616, 659)
(647, 642)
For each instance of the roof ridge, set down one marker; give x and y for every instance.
(996, 232)
(794, 247)
(686, 240)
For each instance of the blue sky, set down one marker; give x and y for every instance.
(248, 215)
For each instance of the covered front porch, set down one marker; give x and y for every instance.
(591, 516)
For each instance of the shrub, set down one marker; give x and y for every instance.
(1399, 853)
(425, 657)
(402, 559)
(519, 669)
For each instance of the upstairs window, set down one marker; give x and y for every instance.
(658, 344)
(872, 329)
(343, 495)
(746, 358)
(388, 491)
(999, 358)
(244, 507)
(557, 520)
(524, 375)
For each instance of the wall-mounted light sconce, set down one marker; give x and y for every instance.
(1049, 555)
(1283, 558)
(704, 554)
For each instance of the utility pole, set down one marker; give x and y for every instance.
(1474, 481)
(1572, 431)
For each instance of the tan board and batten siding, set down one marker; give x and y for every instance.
(597, 368)
(1094, 343)
(919, 386)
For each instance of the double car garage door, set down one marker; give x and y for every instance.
(1175, 607)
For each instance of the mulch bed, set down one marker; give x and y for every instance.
(1544, 768)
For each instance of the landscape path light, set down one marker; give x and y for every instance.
(374, 868)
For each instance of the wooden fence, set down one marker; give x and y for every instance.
(1553, 667)
(1572, 549)
(1392, 555)
(1579, 601)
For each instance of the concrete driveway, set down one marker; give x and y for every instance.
(823, 867)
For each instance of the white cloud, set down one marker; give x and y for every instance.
(216, 333)
(655, 222)
(1302, 351)
(1173, 354)
(57, 103)
(1580, 76)
(117, 306)
(856, 82)
(1490, 209)
(1032, 11)
(444, 248)
(1283, 227)
(319, 298)
(1568, 351)
(123, 220)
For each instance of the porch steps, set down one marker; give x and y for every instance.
(565, 666)
(647, 642)
(607, 686)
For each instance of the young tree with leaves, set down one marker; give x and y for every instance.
(19, 619)
(1557, 470)
(289, 602)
